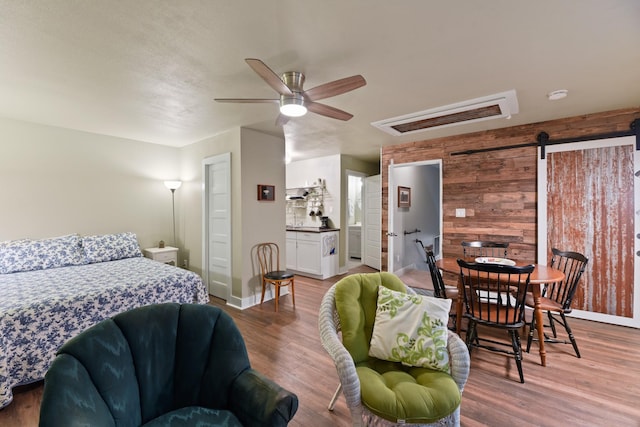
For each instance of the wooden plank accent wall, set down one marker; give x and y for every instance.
(498, 188)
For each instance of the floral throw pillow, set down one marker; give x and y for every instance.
(29, 255)
(411, 329)
(110, 247)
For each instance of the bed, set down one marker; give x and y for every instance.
(52, 289)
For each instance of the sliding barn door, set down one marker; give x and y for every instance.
(588, 203)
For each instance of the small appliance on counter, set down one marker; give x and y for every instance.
(324, 222)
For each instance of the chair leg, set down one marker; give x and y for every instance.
(264, 285)
(471, 334)
(552, 324)
(332, 404)
(532, 326)
(517, 350)
(277, 285)
(293, 292)
(571, 337)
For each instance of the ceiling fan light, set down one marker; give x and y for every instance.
(293, 107)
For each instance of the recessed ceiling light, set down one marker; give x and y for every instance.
(557, 94)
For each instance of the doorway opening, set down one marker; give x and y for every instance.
(354, 218)
(415, 222)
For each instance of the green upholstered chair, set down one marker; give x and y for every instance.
(161, 365)
(380, 392)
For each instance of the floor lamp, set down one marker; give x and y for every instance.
(173, 186)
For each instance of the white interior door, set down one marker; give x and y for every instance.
(372, 227)
(217, 224)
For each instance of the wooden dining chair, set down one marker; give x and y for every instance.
(269, 260)
(494, 296)
(557, 297)
(483, 248)
(440, 290)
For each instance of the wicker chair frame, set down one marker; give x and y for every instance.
(329, 326)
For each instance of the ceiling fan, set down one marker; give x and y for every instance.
(294, 100)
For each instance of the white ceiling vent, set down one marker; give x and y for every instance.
(502, 104)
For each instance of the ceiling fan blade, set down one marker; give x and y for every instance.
(269, 76)
(246, 100)
(325, 110)
(335, 87)
(281, 120)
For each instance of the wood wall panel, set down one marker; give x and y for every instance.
(498, 189)
(590, 191)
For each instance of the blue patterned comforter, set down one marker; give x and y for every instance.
(40, 310)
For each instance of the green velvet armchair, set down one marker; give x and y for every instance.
(161, 365)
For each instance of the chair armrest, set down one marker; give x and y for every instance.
(459, 360)
(328, 326)
(71, 398)
(258, 401)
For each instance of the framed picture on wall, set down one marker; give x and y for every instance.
(404, 197)
(266, 192)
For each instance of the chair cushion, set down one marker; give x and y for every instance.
(413, 395)
(411, 329)
(195, 416)
(356, 297)
(278, 275)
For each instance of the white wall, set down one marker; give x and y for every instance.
(190, 228)
(304, 173)
(256, 158)
(262, 221)
(57, 181)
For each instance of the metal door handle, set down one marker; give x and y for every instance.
(391, 234)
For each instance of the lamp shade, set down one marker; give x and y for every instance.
(172, 185)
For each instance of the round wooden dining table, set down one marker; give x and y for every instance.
(541, 274)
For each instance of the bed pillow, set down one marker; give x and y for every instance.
(29, 255)
(411, 329)
(110, 247)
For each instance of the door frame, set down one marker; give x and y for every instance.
(366, 225)
(345, 201)
(542, 223)
(391, 206)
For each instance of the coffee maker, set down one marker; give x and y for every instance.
(324, 222)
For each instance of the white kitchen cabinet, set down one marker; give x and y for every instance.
(313, 254)
(355, 239)
(292, 251)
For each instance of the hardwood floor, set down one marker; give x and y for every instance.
(600, 389)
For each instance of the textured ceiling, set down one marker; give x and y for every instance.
(148, 70)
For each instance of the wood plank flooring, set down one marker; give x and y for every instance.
(600, 389)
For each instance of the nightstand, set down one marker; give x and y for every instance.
(167, 255)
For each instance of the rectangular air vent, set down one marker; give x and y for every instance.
(503, 104)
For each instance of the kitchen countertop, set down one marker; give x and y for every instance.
(311, 229)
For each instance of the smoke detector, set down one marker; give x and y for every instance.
(557, 94)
